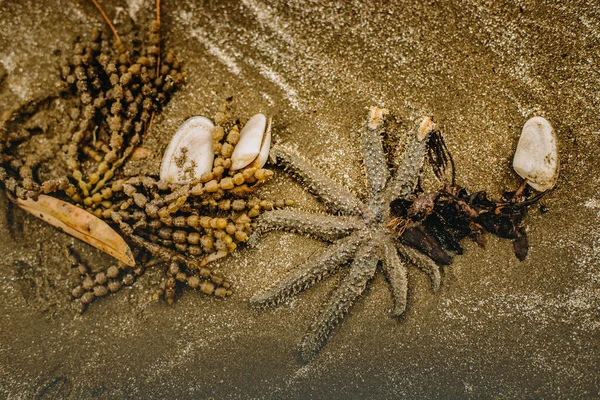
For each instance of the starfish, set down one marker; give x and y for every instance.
(360, 232)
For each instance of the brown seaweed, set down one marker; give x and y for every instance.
(435, 222)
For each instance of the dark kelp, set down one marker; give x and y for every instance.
(435, 222)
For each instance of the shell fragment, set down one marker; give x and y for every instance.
(190, 153)
(265, 148)
(536, 157)
(80, 224)
(254, 145)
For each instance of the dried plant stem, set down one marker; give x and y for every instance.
(158, 11)
(157, 58)
(158, 22)
(112, 27)
(150, 123)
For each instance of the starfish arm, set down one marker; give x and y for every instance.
(407, 175)
(373, 155)
(424, 263)
(335, 196)
(396, 273)
(363, 268)
(324, 227)
(310, 272)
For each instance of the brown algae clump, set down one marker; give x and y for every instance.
(116, 100)
(111, 94)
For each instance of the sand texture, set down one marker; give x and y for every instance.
(498, 328)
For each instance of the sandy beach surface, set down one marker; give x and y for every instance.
(498, 328)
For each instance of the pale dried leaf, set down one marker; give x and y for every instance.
(80, 224)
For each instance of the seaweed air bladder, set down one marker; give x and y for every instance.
(184, 219)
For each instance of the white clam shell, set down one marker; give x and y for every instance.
(263, 156)
(254, 143)
(536, 157)
(190, 153)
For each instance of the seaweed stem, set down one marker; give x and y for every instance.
(520, 189)
(158, 22)
(440, 156)
(112, 27)
(157, 58)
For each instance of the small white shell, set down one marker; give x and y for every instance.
(254, 143)
(536, 157)
(190, 153)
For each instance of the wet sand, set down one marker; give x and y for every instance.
(498, 328)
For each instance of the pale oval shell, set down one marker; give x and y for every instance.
(536, 157)
(190, 153)
(250, 144)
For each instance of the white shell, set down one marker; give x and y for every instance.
(251, 143)
(263, 156)
(536, 157)
(190, 153)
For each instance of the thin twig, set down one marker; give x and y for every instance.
(112, 27)
(150, 123)
(520, 189)
(157, 59)
(158, 23)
